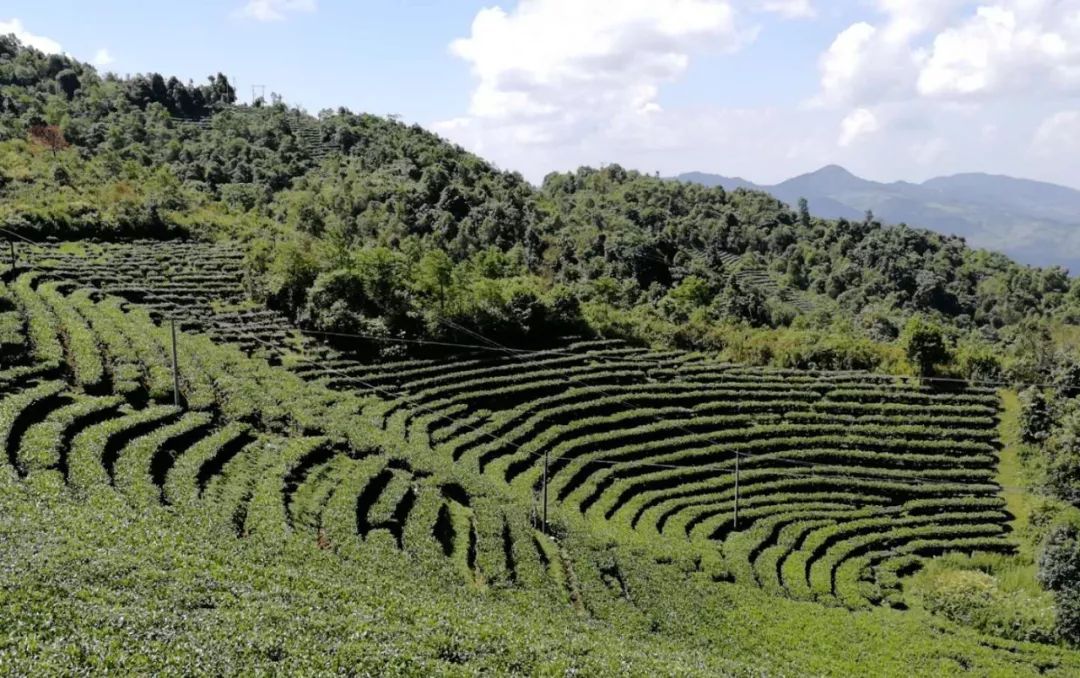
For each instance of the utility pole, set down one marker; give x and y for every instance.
(735, 522)
(545, 453)
(175, 368)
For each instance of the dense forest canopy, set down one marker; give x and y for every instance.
(360, 224)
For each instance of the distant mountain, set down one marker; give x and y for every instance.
(1034, 222)
(729, 183)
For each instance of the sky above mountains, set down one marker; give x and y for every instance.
(758, 88)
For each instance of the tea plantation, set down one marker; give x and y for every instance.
(302, 511)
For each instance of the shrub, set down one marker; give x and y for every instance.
(1035, 417)
(1059, 572)
(975, 599)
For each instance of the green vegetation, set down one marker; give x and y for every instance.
(202, 546)
(726, 406)
(359, 224)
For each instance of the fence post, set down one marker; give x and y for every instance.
(546, 453)
(175, 367)
(735, 522)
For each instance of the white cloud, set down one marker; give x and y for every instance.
(954, 49)
(551, 71)
(103, 58)
(275, 10)
(906, 19)
(563, 83)
(1005, 49)
(790, 9)
(859, 122)
(845, 64)
(14, 26)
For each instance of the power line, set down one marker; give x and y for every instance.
(522, 351)
(616, 400)
(660, 466)
(519, 352)
(526, 352)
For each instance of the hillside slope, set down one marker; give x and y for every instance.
(331, 515)
(1034, 222)
(352, 223)
(749, 427)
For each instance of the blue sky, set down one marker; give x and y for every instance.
(892, 89)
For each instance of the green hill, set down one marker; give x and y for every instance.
(429, 419)
(1031, 221)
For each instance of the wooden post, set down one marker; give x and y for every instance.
(545, 452)
(175, 367)
(735, 522)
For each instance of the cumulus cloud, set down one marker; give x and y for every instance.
(554, 70)
(853, 65)
(1006, 49)
(103, 58)
(15, 27)
(790, 9)
(859, 122)
(274, 10)
(956, 50)
(563, 83)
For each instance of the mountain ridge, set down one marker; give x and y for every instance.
(1034, 222)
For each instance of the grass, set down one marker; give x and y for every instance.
(995, 592)
(103, 587)
(1011, 471)
(73, 248)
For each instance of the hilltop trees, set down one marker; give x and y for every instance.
(650, 259)
(179, 99)
(68, 81)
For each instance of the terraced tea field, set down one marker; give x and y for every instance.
(86, 407)
(813, 487)
(200, 286)
(844, 480)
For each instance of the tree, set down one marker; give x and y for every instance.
(68, 81)
(1066, 374)
(219, 91)
(159, 91)
(796, 271)
(804, 213)
(1059, 572)
(50, 136)
(434, 275)
(924, 344)
(692, 292)
(979, 362)
(742, 301)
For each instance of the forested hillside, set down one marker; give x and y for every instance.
(296, 394)
(356, 222)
